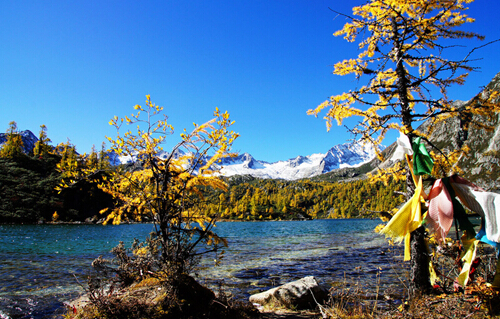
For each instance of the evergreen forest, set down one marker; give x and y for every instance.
(30, 193)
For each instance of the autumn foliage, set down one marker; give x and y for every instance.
(404, 74)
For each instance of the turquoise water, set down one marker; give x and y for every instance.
(40, 265)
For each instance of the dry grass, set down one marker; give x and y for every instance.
(447, 300)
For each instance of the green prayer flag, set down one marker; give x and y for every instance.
(422, 161)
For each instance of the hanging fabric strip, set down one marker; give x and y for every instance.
(490, 202)
(422, 161)
(403, 147)
(409, 161)
(463, 189)
(469, 255)
(486, 204)
(406, 220)
(432, 274)
(440, 213)
(458, 211)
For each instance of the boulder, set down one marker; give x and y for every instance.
(299, 294)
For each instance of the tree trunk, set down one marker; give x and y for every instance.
(419, 264)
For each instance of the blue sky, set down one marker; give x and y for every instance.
(73, 65)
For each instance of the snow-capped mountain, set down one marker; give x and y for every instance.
(339, 156)
(115, 159)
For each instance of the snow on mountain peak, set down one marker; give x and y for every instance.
(339, 156)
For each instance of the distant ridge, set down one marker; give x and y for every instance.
(340, 156)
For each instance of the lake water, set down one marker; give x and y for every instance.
(40, 264)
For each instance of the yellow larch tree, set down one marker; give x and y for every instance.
(404, 77)
(42, 146)
(13, 147)
(168, 190)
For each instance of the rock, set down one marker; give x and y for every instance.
(296, 294)
(91, 220)
(78, 303)
(193, 293)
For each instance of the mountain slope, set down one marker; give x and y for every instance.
(481, 165)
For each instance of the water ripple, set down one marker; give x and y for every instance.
(40, 264)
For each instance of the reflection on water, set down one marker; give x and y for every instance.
(40, 265)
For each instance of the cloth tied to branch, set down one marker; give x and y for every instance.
(443, 207)
(406, 220)
(486, 204)
(403, 147)
(468, 256)
(422, 161)
(440, 213)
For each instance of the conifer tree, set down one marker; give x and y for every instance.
(406, 77)
(69, 164)
(92, 160)
(42, 146)
(13, 147)
(169, 191)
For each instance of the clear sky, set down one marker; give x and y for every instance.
(73, 65)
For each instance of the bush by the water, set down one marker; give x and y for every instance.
(134, 285)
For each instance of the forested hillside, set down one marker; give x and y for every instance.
(27, 185)
(29, 178)
(249, 198)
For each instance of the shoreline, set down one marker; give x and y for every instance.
(217, 221)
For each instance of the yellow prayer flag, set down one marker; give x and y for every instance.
(406, 220)
(470, 246)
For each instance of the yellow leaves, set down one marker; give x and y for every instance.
(142, 251)
(379, 228)
(397, 35)
(162, 187)
(445, 164)
(340, 111)
(349, 66)
(396, 172)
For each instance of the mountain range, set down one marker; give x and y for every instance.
(340, 156)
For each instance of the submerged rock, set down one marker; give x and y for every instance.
(304, 293)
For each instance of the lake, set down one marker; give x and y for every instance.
(40, 264)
